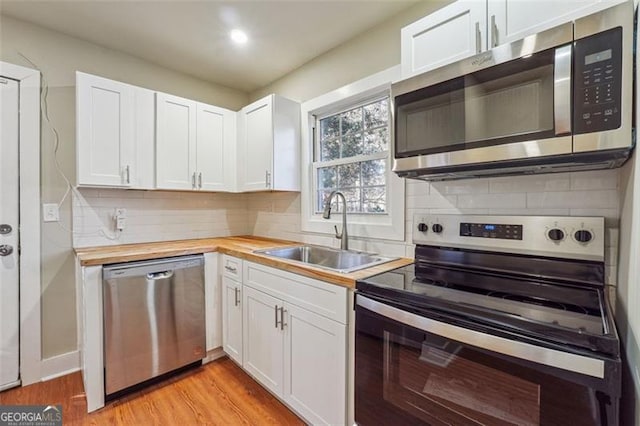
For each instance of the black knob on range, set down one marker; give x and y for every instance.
(583, 236)
(556, 234)
(437, 228)
(422, 227)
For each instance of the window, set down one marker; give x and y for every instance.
(351, 155)
(346, 146)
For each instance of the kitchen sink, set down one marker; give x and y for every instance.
(343, 261)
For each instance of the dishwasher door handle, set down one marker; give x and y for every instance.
(160, 275)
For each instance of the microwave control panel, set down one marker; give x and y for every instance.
(598, 82)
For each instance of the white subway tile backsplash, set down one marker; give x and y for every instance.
(597, 179)
(167, 215)
(532, 183)
(454, 187)
(599, 199)
(431, 201)
(488, 201)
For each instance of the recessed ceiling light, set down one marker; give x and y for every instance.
(239, 36)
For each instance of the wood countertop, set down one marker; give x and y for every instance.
(242, 247)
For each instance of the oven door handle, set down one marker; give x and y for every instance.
(550, 357)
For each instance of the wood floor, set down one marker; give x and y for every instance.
(219, 393)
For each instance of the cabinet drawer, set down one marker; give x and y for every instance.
(232, 267)
(316, 296)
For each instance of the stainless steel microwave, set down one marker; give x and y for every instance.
(559, 100)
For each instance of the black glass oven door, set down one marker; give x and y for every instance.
(406, 375)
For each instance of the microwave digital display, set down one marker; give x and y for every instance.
(597, 57)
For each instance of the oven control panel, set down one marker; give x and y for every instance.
(491, 230)
(555, 236)
(598, 82)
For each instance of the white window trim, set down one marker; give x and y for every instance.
(30, 291)
(388, 226)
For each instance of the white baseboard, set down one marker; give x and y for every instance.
(60, 365)
(213, 354)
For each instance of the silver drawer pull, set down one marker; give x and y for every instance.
(231, 269)
(160, 275)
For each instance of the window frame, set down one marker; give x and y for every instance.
(387, 226)
(384, 155)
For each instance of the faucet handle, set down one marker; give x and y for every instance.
(338, 235)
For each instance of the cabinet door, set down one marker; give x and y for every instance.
(315, 366)
(145, 140)
(232, 319)
(215, 127)
(105, 132)
(256, 130)
(263, 340)
(175, 142)
(511, 20)
(452, 33)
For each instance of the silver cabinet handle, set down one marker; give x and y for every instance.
(276, 312)
(5, 250)
(237, 296)
(267, 178)
(5, 228)
(282, 324)
(200, 180)
(193, 180)
(230, 268)
(494, 31)
(478, 38)
(128, 173)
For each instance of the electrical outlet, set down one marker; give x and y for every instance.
(120, 219)
(50, 212)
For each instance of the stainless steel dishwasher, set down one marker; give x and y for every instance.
(154, 319)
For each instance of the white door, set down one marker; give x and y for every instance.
(511, 20)
(263, 340)
(232, 319)
(257, 145)
(9, 235)
(452, 33)
(105, 131)
(315, 374)
(213, 129)
(175, 142)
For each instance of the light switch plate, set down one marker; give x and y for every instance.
(50, 212)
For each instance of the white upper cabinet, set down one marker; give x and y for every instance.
(191, 142)
(105, 145)
(511, 20)
(216, 135)
(269, 145)
(452, 33)
(175, 142)
(468, 27)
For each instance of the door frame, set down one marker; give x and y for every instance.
(30, 277)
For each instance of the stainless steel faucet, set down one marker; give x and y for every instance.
(342, 236)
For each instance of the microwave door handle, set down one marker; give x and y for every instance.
(521, 350)
(562, 90)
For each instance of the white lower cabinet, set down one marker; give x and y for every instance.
(294, 341)
(263, 339)
(314, 357)
(232, 318)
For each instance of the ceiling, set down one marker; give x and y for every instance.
(193, 36)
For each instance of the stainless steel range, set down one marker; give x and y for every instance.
(500, 320)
